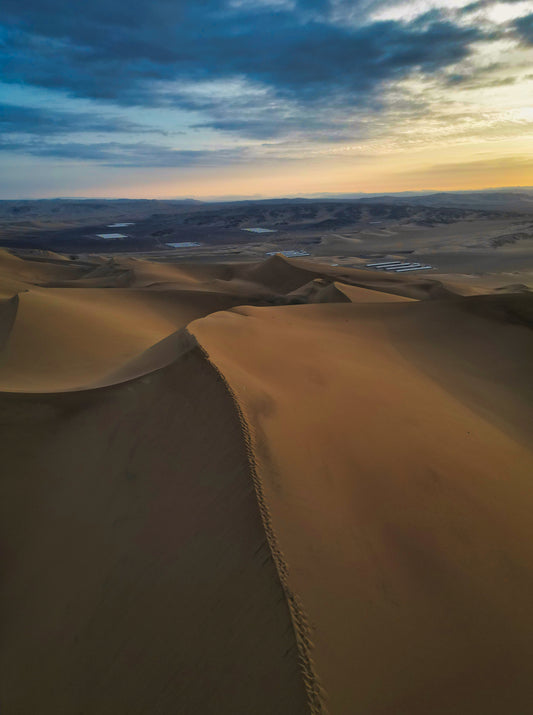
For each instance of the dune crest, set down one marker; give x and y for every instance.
(399, 499)
(302, 629)
(273, 487)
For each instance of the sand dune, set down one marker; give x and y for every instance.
(273, 487)
(320, 291)
(400, 496)
(71, 337)
(8, 313)
(136, 573)
(16, 273)
(69, 334)
(357, 294)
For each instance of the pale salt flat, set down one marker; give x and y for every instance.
(289, 254)
(185, 244)
(260, 230)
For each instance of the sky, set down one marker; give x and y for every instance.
(261, 98)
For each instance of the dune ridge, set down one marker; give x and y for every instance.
(69, 334)
(314, 689)
(270, 487)
(138, 577)
(401, 451)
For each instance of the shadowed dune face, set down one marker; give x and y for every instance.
(216, 501)
(8, 314)
(136, 573)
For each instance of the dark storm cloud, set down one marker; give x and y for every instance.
(118, 50)
(309, 70)
(44, 121)
(524, 28)
(116, 154)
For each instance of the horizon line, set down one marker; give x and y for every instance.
(255, 197)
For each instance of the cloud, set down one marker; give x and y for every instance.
(117, 154)
(306, 71)
(43, 121)
(121, 53)
(524, 28)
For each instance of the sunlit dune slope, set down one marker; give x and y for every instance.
(71, 337)
(72, 333)
(17, 273)
(262, 488)
(391, 444)
(358, 294)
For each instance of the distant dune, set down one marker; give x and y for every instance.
(262, 488)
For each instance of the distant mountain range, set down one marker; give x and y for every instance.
(83, 210)
(497, 200)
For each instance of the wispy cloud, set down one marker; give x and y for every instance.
(43, 121)
(119, 154)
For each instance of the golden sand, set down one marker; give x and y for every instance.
(262, 488)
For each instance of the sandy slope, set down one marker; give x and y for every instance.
(319, 508)
(65, 338)
(400, 495)
(136, 574)
(70, 333)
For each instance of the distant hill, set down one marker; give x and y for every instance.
(479, 200)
